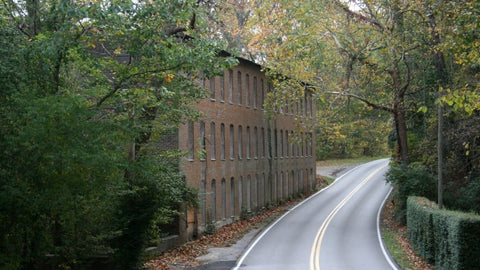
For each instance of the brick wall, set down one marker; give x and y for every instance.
(239, 160)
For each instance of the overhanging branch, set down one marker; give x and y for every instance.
(362, 99)
(359, 17)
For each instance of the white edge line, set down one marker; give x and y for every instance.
(239, 263)
(385, 252)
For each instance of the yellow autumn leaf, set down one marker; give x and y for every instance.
(169, 78)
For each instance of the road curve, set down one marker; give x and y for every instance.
(334, 229)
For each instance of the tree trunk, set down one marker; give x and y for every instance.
(401, 129)
(33, 18)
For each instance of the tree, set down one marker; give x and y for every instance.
(230, 22)
(364, 54)
(89, 90)
(393, 56)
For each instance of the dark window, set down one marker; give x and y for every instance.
(212, 88)
(239, 87)
(255, 141)
(191, 140)
(262, 93)
(281, 143)
(232, 197)
(248, 142)
(212, 141)
(202, 140)
(230, 86)
(214, 201)
(247, 90)
(224, 199)
(222, 89)
(240, 142)
(255, 92)
(222, 141)
(232, 143)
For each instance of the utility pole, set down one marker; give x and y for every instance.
(440, 152)
(443, 80)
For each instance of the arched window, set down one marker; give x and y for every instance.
(214, 201)
(202, 141)
(262, 141)
(280, 186)
(191, 140)
(212, 88)
(232, 143)
(265, 190)
(255, 142)
(281, 143)
(293, 181)
(212, 141)
(302, 144)
(255, 92)
(302, 182)
(248, 142)
(256, 188)
(292, 149)
(222, 141)
(230, 86)
(274, 187)
(240, 142)
(239, 87)
(247, 90)
(249, 195)
(275, 144)
(224, 199)
(262, 94)
(232, 197)
(287, 154)
(222, 89)
(240, 194)
(203, 201)
(286, 184)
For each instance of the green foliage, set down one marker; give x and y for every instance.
(350, 132)
(447, 238)
(412, 180)
(59, 181)
(469, 198)
(245, 214)
(89, 89)
(420, 231)
(400, 57)
(209, 228)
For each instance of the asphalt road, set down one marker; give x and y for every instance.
(333, 230)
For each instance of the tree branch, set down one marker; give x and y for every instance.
(362, 99)
(119, 85)
(359, 17)
(19, 27)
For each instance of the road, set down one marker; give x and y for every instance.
(335, 229)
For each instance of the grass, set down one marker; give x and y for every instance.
(396, 242)
(347, 161)
(390, 238)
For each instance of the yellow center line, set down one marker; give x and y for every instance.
(317, 243)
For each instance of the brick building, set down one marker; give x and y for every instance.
(238, 159)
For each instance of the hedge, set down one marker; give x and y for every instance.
(449, 239)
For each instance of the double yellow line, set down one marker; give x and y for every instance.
(317, 244)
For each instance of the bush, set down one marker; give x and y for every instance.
(420, 227)
(447, 238)
(469, 195)
(412, 180)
